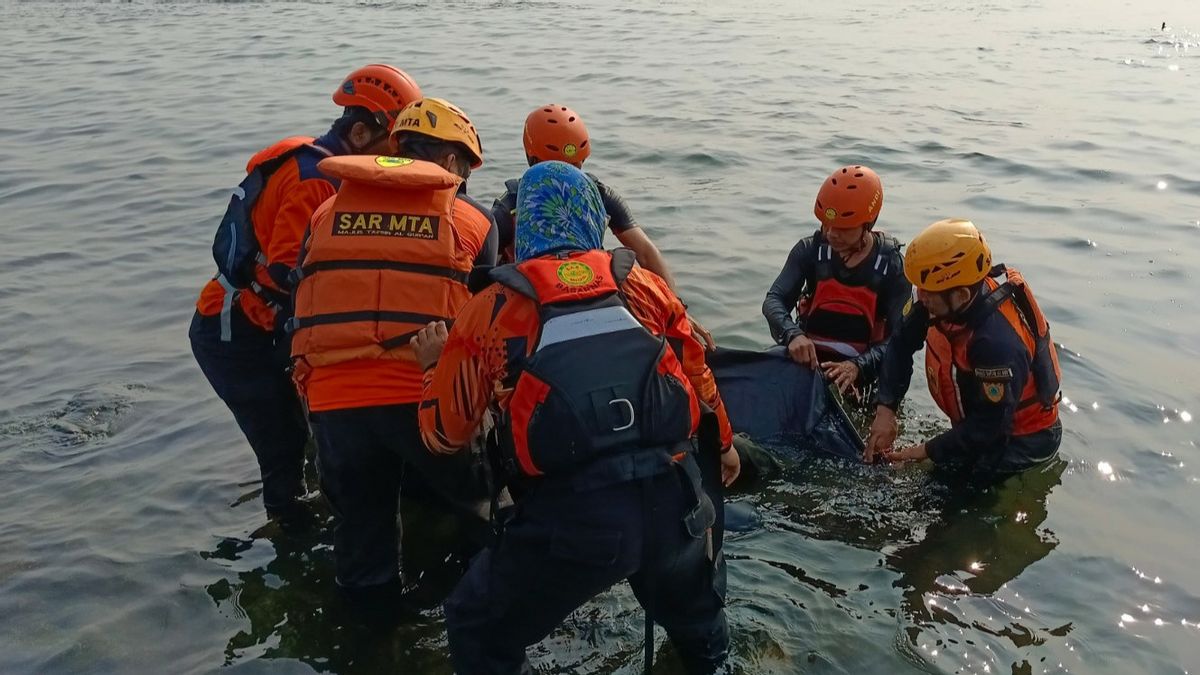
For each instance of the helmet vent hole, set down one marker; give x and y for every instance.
(552, 121)
(847, 214)
(555, 148)
(979, 262)
(833, 180)
(549, 110)
(851, 187)
(570, 119)
(583, 144)
(858, 175)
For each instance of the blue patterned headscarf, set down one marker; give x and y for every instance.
(558, 209)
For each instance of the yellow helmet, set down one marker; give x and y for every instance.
(442, 120)
(948, 254)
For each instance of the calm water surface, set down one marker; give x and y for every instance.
(132, 538)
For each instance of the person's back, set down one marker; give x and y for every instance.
(600, 380)
(392, 251)
(236, 333)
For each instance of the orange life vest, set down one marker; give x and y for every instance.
(843, 321)
(380, 264)
(946, 355)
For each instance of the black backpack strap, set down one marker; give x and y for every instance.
(509, 199)
(510, 277)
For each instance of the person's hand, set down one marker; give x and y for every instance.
(842, 374)
(882, 435)
(913, 453)
(701, 332)
(731, 466)
(803, 351)
(427, 344)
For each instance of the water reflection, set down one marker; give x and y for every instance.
(956, 575)
(281, 588)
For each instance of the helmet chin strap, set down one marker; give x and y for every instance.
(858, 248)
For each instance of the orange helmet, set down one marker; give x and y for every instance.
(851, 197)
(555, 132)
(380, 88)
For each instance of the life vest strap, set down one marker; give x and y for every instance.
(298, 322)
(310, 269)
(627, 466)
(403, 338)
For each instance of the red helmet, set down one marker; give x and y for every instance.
(556, 132)
(380, 88)
(851, 197)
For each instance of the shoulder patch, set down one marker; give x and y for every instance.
(993, 391)
(994, 374)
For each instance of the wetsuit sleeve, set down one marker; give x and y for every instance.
(896, 364)
(298, 200)
(785, 293)
(620, 218)
(456, 392)
(503, 209)
(893, 297)
(989, 403)
(658, 308)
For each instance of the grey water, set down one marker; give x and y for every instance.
(132, 538)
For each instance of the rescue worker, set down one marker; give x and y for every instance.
(235, 333)
(389, 253)
(990, 362)
(554, 132)
(600, 380)
(844, 282)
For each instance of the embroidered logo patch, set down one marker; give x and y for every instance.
(830, 214)
(569, 150)
(357, 224)
(993, 391)
(390, 162)
(575, 274)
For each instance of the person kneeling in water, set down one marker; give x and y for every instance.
(600, 380)
(991, 364)
(845, 282)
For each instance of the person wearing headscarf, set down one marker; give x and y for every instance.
(599, 384)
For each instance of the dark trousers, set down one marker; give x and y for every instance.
(249, 373)
(363, 456)
(563, 547)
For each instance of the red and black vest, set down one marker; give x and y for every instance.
(596, 384)
(946, 354)
(844, 320)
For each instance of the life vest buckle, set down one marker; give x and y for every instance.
(628, 406)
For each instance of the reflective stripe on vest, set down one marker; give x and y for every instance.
(588, 322)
